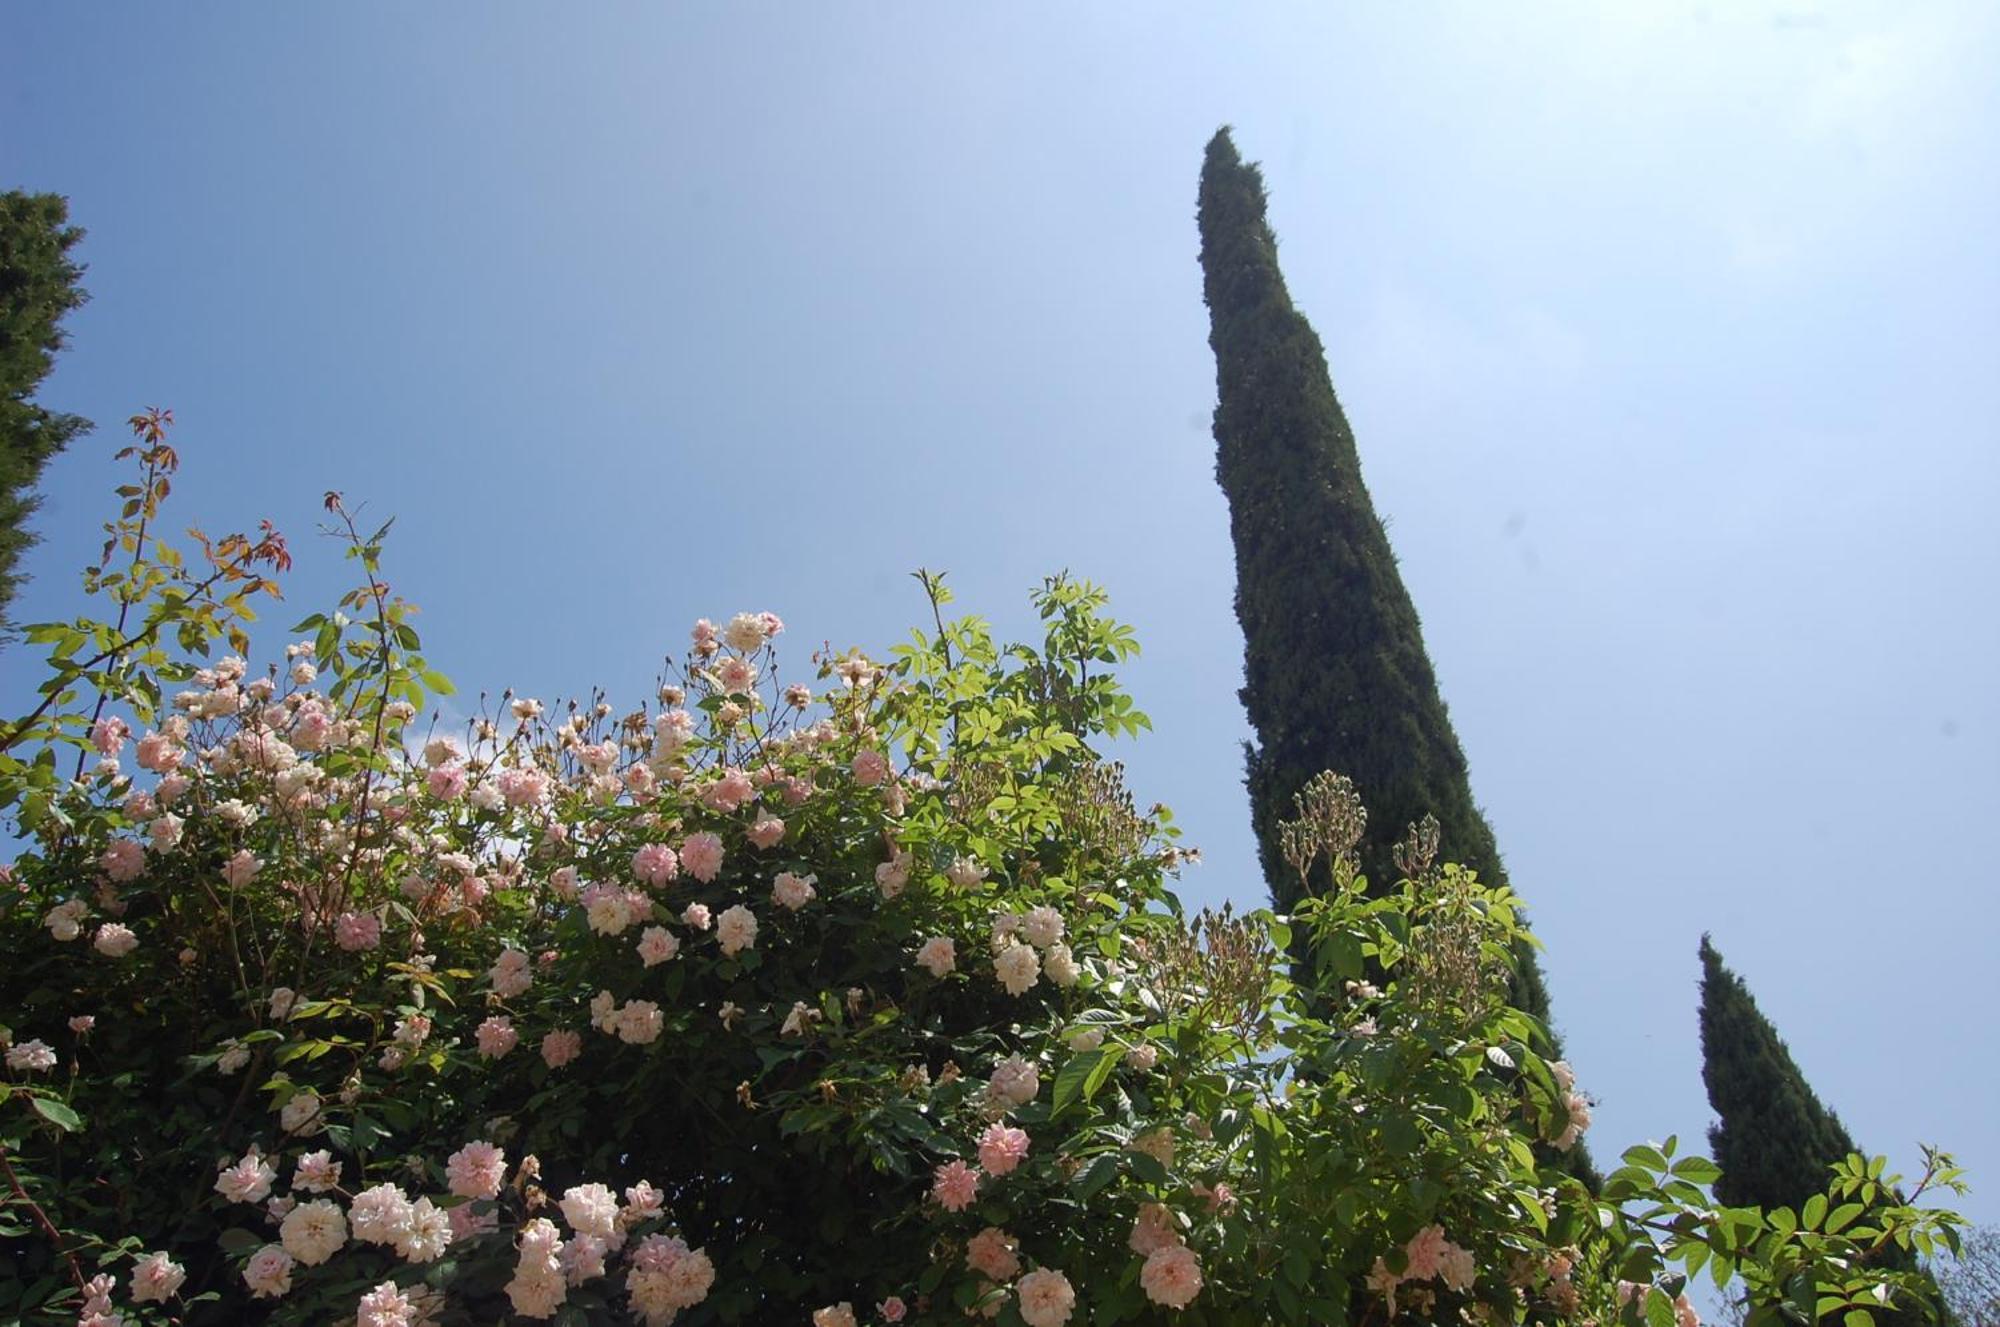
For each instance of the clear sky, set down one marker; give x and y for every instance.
(1667, 331)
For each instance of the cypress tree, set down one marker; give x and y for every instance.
(1775, 1142)
(1773, 1139)
(38, 285)
(1335, 673)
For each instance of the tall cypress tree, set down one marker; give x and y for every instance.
(1335, 673)
(38, 285)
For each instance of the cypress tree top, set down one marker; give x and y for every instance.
(1773, 1139)
(1335, 673)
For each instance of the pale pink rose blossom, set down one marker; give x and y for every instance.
(268, 1273)
(385, 1306)
(835, 1315)
(428, 1234)
(870, 768)
(108, 735)
(1424, 1251)
(560, 1047)
(728, 793)
(357, 931)
(477, 1170)
(954, 1185)
(643, 1202)
(65, 920)
(1042, 926)
(496, 1036)
(1001, 1148)
(591, 1209)
(1014, 1083)
(965, 872)
(655, 864)
(1017, 968)
(123, 860)
(469, 1224)
(1047, 1298)
(1456, 1267)
(313, 1232)
(317, 1172)
(992, 1253)
(892, 1309)
(510, 974)
(736, 929)
(657, 945)
(1060, 967)
(640, 1022)
(1171, 1276)
(522, 787)
(81, 1024)
(792, 892)
(441, 751)
(893, 875)
(695, 917)
(35, 1056)
(241, 868)
(767, 832)
(156, 1278)
(447, 783)
(381, 1214)
(1155, 1228)
(701, 854)
(159, 754)
(737, 675)
(937, 956)
(1143, 1056)
(248, 1181)
(301, 1114)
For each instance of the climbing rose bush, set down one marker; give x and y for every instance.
(853, 996)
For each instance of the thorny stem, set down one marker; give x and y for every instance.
(42, 1219)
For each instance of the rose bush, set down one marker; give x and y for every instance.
(864, 998)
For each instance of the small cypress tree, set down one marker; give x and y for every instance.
(38, 286)
(1775, 1142)
(1335, 672)
(1773, 1139)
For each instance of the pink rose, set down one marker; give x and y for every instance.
(560, 1047)
(356, 931)
(954, 1185)
(655, 864)
(1002, 1148)
(702, 856)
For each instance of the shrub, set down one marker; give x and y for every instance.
(765, 1001)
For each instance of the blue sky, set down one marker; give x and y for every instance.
(1666, 331)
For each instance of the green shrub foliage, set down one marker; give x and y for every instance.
(857, 996)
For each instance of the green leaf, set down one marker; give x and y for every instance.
(1070, 1079)
(1659, 1309)
(1096, 1175)
(56, 1113)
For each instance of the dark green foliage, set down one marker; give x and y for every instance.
(1773, 1139)
(38, 285)
(1335, 673)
